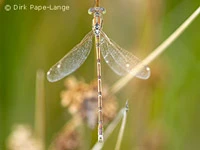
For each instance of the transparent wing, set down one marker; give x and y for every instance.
(120, 60)
(72, 60)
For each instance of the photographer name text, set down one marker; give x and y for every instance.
(32, 7)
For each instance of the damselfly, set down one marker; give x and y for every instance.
(119, 60)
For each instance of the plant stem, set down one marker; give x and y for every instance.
(121, 132)
(97, 3)
(160, 49)
(40, 107)
(110, 129)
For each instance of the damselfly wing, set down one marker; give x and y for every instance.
(72, 60)
(118, 59)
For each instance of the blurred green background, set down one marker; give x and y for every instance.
(164, 110)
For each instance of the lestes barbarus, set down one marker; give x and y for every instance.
(119, 60)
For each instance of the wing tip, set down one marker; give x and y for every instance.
(148, 73)
(50, 78)
(145, 75)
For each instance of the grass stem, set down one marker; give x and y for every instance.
(40, 107)
(121, 132)
(110, 129)
(160, 49)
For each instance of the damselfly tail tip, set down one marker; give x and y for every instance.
(100, 138)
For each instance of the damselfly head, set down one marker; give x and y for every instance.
(93, 10)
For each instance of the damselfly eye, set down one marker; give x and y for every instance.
(103, 10)
(90, 11)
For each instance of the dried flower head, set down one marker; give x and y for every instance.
(69, 140)
(22, 138)
(81, 97)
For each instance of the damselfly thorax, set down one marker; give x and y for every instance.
(97, 22)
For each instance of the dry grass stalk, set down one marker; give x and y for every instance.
(40, 107)
(110, 129)
(121, 132)
(160, 49)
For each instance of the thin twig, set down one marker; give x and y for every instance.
(40, 107)
(160, 49)
(121, 132)
(109, 129)
(97, 3)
